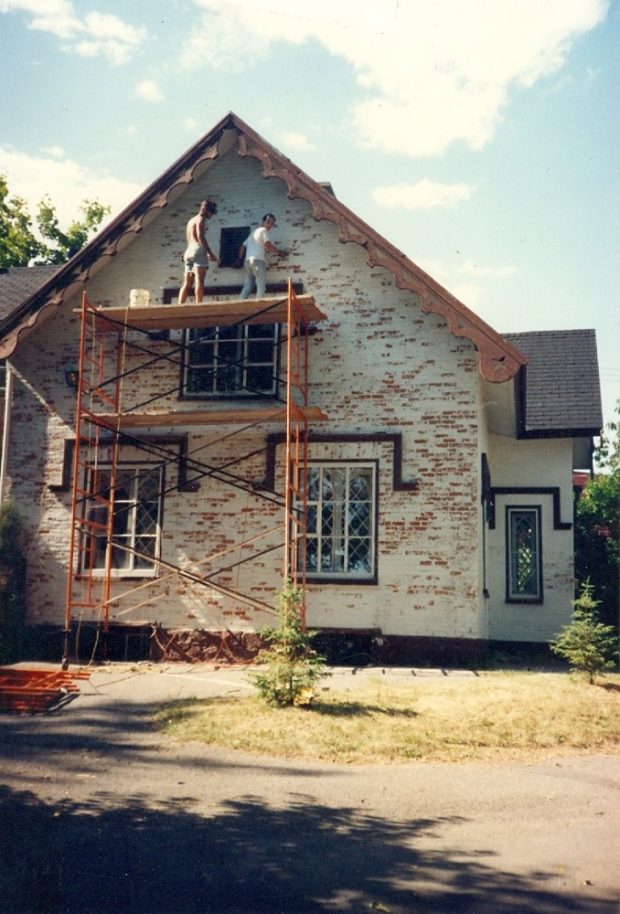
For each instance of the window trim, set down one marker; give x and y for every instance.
(512, 597)
(323, 578)
(241, 393)
(151, 570)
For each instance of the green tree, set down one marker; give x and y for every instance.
(586, 642)
(22, 244)
(293, 666)
(65, 244)
(18, 245)
(597, 541)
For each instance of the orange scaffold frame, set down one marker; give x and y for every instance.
(103, 423)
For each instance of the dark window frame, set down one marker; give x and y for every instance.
(241, 392)
(512, 595)
(151, 569)
(351, 578)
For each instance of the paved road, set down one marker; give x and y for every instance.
(99, 814)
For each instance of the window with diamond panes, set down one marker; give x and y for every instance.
(136, 524)
(225, 361)
(524, 554)
(341, 521)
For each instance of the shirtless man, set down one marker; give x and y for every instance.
(197, 253)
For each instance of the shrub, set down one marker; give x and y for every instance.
(293, 666)
(12, 584)
(586, 643)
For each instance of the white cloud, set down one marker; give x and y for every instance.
(66, 182)
(148, 90)
(432, 74)
(470, 268)
(423, 194)
(56, 151)
(295, 141)
(97, 34)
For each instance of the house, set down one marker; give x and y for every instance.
(358, 428)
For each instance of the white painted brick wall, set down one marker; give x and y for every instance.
(535, 463)
(378, 364)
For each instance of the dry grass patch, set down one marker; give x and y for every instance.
(494, 715)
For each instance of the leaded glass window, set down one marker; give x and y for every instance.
(137, 519)
(226, 361)
(524, 554)
(341, 521)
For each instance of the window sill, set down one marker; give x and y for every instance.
(341, 579)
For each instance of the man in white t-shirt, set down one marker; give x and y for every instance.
(252, 252)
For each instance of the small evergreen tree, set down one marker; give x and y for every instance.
(293, 666)
(585, 642)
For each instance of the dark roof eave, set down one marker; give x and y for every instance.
(560, 433)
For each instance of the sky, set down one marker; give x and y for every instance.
(481, 137)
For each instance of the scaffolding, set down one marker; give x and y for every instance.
(105, 423)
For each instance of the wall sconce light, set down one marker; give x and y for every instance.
(72, 376)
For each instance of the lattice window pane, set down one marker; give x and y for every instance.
(524, 553)
(340, 520)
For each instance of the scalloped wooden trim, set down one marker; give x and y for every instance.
(497, 360)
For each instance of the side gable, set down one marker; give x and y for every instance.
(559, 390)
(498, 359)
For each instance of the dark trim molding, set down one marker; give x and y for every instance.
(394, 438)
(525, 600)
(553, 491)
(173, 441)
(272, 288)
(560, 433)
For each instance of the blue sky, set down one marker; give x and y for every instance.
(481, 137)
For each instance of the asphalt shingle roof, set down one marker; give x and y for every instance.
(562, 388)
(19, 283)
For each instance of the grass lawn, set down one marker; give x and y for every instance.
(497, 715)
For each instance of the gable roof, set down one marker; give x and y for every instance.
(498, 360)
(561, 383)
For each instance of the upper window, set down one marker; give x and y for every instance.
(231, 240)
(341, 521)
(136, 526)
(227, 361)
(524, 555)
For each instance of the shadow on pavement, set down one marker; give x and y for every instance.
(133, 854)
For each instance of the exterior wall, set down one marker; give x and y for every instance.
(377, 365)
(540, 464)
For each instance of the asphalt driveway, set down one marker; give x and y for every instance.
(98, 814)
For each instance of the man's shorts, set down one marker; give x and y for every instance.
(195, 256)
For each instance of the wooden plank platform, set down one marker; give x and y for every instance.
(205, 417)
(271, 310)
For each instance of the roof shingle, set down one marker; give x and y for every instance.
(19, 283)
(562, 388)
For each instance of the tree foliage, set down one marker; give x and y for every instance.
(586, 642)
(22, 243)
(597, 540)
(293, 666)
